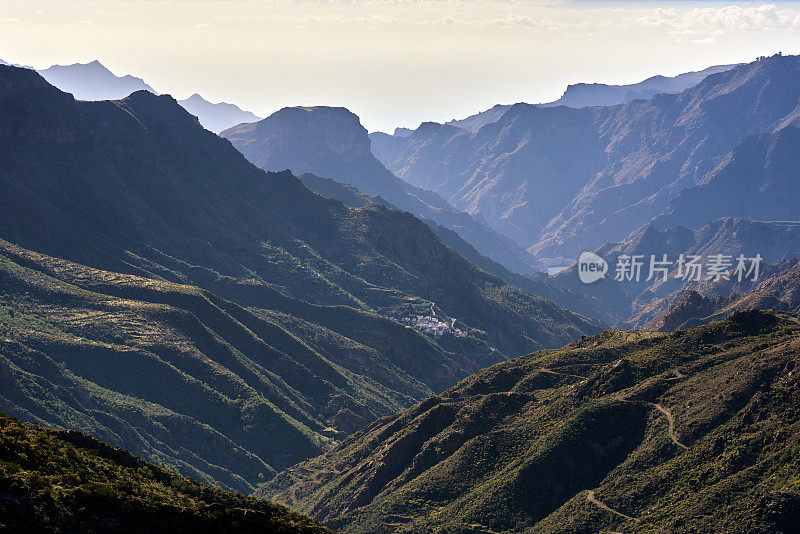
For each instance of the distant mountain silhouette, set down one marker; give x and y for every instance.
(475, 122)
(93, 81)
(331, 142)
(581, 95)
(216, 117)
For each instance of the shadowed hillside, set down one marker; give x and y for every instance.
(65, 481)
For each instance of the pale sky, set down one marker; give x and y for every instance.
(392, 62)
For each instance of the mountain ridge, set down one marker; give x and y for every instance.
(331, 142)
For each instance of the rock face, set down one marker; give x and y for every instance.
(758, 180)
(331, 142)
(615, 167)
(778, 288)
(652, 425)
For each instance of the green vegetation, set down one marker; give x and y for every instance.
(57, 481)
(183, 378)
(518, 446)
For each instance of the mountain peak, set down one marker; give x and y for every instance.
(217, 117)
(93, 81)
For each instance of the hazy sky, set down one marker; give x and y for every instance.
(393, 62)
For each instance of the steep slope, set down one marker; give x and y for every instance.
(757, 180)
(331, 142)
(627, 431)
(516, 173)
(652, 165)
(180, 203)
(93, 81)
(535, 284)
(182, 377)
(594, 175)
(64, 481)
(216, 117)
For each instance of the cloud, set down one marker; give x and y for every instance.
(719, 20)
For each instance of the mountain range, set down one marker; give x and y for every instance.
(331, 142)
(561, 180)
(93, 81)
(216, 117)
(635, 303)
(168, 296)
(778, 288)
(621, 432)
(276, 311)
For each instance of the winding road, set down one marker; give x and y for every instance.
(590, 497)
(670, 426)
(600, 504)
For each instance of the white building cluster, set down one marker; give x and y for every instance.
(433, 326)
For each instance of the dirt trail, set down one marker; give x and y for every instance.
(665, 411)
(603, 506)
(670, 426)
(552, 372)
(670, 432)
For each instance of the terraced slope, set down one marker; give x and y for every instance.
(57, 481)
(693, 431)
(184, 378)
